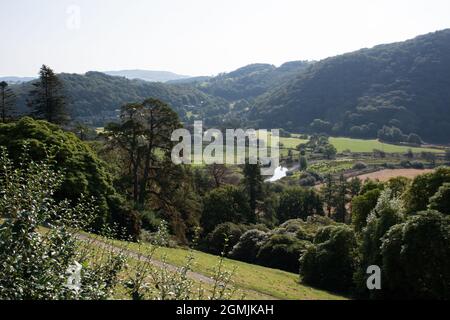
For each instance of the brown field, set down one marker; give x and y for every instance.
(385, 175)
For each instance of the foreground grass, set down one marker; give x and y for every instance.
(263, 282)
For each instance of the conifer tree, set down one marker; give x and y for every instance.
(47, 98)
(7, 101)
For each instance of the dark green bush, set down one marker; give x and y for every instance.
(282, 252)
(416, 258)
(330, 262)
(249, 245)
(224, 237)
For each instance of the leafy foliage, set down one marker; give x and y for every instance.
(330, 262)
(35, 264)
(297, 202)
(416, 258)
(84, 172)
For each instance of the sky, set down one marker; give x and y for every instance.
(200, 37)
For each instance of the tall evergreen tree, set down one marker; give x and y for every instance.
(327, 192)
(7, 101)
(47, 98)
(253, 183)
(341, 199)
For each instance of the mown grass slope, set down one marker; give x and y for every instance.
(268, 282)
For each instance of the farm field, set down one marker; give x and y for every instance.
(357, 145)
(385, 175)
(360, 145)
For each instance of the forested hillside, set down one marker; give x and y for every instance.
(251, 81)
(96, 97)
(402, 85)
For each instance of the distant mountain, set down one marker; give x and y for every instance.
(96, 98)
(146, 75)
(190, 80)
(251, 81)
(15, 80)
(402, 85)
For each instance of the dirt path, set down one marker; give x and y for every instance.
(140, 257)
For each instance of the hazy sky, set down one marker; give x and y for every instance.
(200, 37)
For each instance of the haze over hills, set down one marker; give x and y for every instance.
(147, 75)
(15, 80)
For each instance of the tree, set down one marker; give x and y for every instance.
(84, 172)
(409, 154)
(144, 136)
(282, 251)
(430, 157)
(423, 187)
(340, 199)
(414, 139)
(249, 245)
(330, 262)
(218, 172)
(320, 126)
(330, 151)
(223, 238)
(298, 202)
(303, 163)
(416, 258)
(327, 192)
(441, 200)
(387, 213)
(225, 204)
(253, 184)
(7, 101)
(362, 206)
(47, 98)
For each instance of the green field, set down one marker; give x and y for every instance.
(267, 282)
(360, 145)
(357, 145)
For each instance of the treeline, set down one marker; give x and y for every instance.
(94, 98)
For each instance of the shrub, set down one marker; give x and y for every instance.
(224, 237)
(359, 166)
(330, 262)
(35, 264)
(441, 200)
(417, 165)
(416, 258)
(249, 245)
(282, 252)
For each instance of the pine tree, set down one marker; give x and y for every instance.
(303, 163)
(7, 101)
(47, 99)
(327, 192)
(253, 183)
(341, 199)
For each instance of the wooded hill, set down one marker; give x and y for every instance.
(402, 85)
